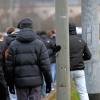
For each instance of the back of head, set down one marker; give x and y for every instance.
(10, 30)
(72, 29)
(43, 33)
(25, 23)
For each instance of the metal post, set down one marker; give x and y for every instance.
(63, 67)
(90, 33)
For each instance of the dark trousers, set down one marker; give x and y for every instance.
(29, 93)
(3, 91)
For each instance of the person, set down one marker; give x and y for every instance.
(27, 63)
(49, 40)
(42, 35)
(3, 88)
(11, 36)
(52, 37)
(52, 50)
(7, 40)
(79, 52)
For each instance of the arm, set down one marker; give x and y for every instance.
(86, 53)
(10, 66)
(44, 63)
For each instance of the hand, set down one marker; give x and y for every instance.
(12, 89)
(48, 88)
(57, 48)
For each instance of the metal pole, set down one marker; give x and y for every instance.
(63, 67)
(90, 30)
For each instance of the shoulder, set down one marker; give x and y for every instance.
(38, 42)
(83, 41)
(80, 38)
(13, 44)
(39, 45)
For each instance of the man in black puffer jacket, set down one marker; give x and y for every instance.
(79, 52)
(27, 61)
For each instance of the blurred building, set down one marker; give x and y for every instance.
(42, 12)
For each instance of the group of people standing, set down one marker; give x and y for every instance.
(26, 59)
(28, 62)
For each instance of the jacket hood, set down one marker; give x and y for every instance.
(26, 35)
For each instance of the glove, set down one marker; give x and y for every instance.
(57, 48)
(48, 88)
(12, 89)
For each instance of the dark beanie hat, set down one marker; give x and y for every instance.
(72, 29)
(25, 23)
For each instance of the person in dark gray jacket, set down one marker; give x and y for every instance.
(79, 52)
(3, 87)
(27, 62)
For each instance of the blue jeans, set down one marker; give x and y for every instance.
(53, 72)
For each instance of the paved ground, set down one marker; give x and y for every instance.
(44, 99)
(51, 96)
